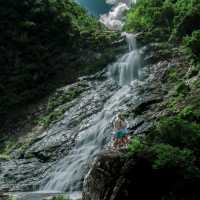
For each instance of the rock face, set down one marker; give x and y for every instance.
(114, 175)
(3, 196)
(101, 179)
(23, 171)
(99, 100)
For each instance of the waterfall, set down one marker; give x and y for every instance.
(69, 172)
(127, 68)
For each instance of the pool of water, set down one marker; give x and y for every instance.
(44, 195)
(95, 7)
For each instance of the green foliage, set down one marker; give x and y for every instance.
(162, 155)
(4, 157)
(192, 43)
(12, 198)
(51, 117)
(135, 146)
(190, 113)
(41, 43)
(149, 15)
(173, 101)
(194, 71)
(178, 133)
(196, 83)
(186, 21)
(164, 19)
(172, 146)
(170, 150)
(172, 74)
(58, 104)
(182, 88)
(186, 112)
(168, 156)
(135, 19)
(61, 197)
(61, 96)
(7, 147)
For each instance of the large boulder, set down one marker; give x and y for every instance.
(116, 176)
(101, 179)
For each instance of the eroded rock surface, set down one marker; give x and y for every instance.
(141, 102)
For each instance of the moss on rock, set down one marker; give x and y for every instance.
(59, 103)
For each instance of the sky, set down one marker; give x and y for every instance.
(95, 7)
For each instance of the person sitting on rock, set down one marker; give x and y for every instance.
(120, 126)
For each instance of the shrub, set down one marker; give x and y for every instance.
(186, 21)
(51, 117)
(171, 156)
(177, 132)
(150, 14)
(4, 157)
(42, 48)
(182, 88)
(164, 158)
(136, 145)
(61, 96)
(190, 113)
(174, 18)
(61, 197)
(57, 105)
(167, 156)
(192, 42)
(12, 198)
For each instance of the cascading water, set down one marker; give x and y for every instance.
(69, 172)
(127, 68)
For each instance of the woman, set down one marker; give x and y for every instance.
(120, 126)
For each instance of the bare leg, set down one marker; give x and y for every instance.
(126, 138)
(121, 142)
(115, 143)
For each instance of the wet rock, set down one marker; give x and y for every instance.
(97, 76)
(144, 128)
(38, 195)
(21, 175)
(139, 102)
(48, 198)
(145, 104)
(43, 151)
(125, 178)
(137, 122)
(4, 196)
(101, 179)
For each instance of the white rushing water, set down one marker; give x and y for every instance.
(69, 172)
(127, 68)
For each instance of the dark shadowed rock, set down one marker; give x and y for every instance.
(4, 196)
(115, 176)
(101, 179)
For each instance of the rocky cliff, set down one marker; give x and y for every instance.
(161, 103)
(161, 162)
